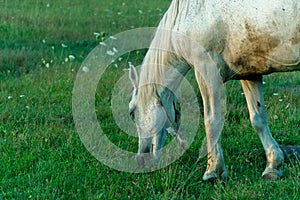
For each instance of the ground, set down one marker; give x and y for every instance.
(42, 45)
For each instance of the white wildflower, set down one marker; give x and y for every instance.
(115, 50)
(103, 43)
(97, 35)
(275, 117)
(22, 95)
(275, 94)
(113, 37)
(111, 53)
(71, 57)
(9, 97)
(141, 12)
(64, 45)
(47, 65)
(287, 106)
(85, 69)
(66, 59)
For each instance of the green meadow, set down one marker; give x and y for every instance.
(42, 46)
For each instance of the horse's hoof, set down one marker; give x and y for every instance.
(210, 177)
(140, 160)
(213, 176)
(272, 174)
(147, 159)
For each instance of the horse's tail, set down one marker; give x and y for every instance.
(291, 152)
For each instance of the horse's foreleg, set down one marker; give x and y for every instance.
(259, 120)
(211, 95)
(150, 147)
(144, 150)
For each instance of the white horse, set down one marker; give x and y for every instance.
(221, 41)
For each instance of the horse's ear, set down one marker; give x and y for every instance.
(133, 76)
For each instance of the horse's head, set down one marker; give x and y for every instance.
(152, 117)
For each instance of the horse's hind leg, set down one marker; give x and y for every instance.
(211, 94)
(259, 120)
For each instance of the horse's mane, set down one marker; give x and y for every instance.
(154, 67)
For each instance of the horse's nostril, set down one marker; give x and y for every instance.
(132, 114)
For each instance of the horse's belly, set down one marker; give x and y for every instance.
(262, 54)
(262, 48)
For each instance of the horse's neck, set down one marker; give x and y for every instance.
(162, 85)
(175, 74)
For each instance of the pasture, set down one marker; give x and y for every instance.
(42, 45)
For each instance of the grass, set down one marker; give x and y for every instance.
(41, 154)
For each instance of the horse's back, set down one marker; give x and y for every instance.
(253, 37)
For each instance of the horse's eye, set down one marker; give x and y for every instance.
(132, 114)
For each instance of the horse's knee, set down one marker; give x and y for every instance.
(259, 122)
(213, 127)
